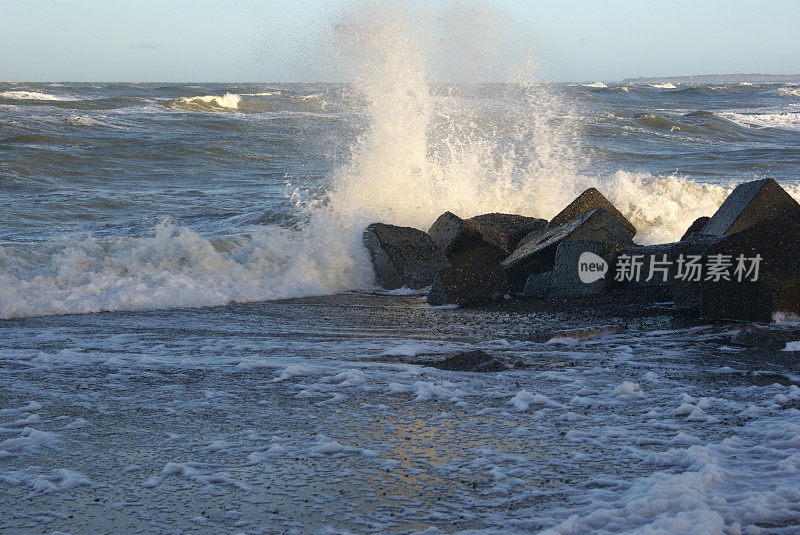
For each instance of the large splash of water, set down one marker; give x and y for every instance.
(428, 147)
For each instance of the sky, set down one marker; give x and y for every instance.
(285, 41)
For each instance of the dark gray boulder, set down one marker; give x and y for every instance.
(589, 200)
(685, 291)
(695, 227)
(777, 286)
(750, 203)
(537, 251)
(403, 256)
(506, 229)
(643, 265)
(538, 285)
(463, 243)
(471, 361)
(468, 285)
(582, 268)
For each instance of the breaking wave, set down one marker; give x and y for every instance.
(31, 95)
(261, 102)
(787, 118)
(422, 152)
(175, 267)
(228, 101)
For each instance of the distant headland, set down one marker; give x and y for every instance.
(714, 78)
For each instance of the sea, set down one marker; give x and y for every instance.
(192, 338)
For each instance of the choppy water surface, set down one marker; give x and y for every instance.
(139, 196)
(152, 379)
(296, 416)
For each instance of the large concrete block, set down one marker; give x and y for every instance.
(582, 268)
(463, 243)
(506, 229)
(686, 295)
(537, 251)
(695, 227)
(470, 284)
(776, 288)
(539, 285)
(403, 256)
(750, 203)
(643, 265)
(589, 200)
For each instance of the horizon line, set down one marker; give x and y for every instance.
(628, 79)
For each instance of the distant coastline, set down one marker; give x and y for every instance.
(714, 78)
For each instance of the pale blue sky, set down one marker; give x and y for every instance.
(251, 40)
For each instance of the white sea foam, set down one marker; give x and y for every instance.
(176, 267)
(787, 117)
(228, 101)
(598, 85)
(789, 91)
(667, 85)
(420, 155)
(262, 94)
(31, 95)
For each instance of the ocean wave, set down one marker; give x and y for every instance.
(228, 101)
(421, 152)
(667, 85)
(783, 118)
(263, 102)
(90, 122)
(176, 267)
(789, 91)
(598, 85)
(656, 121)
(262, 94)
(32, 95)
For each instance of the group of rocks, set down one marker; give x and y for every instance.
(469, 262)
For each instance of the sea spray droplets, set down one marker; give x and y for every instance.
(423, 150)
(419, 148)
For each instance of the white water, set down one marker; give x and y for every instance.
(787, 117)
(420, 155)
(228, 101)
(31, 95)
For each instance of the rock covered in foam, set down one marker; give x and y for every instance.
(403, 256)
(463, 242)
